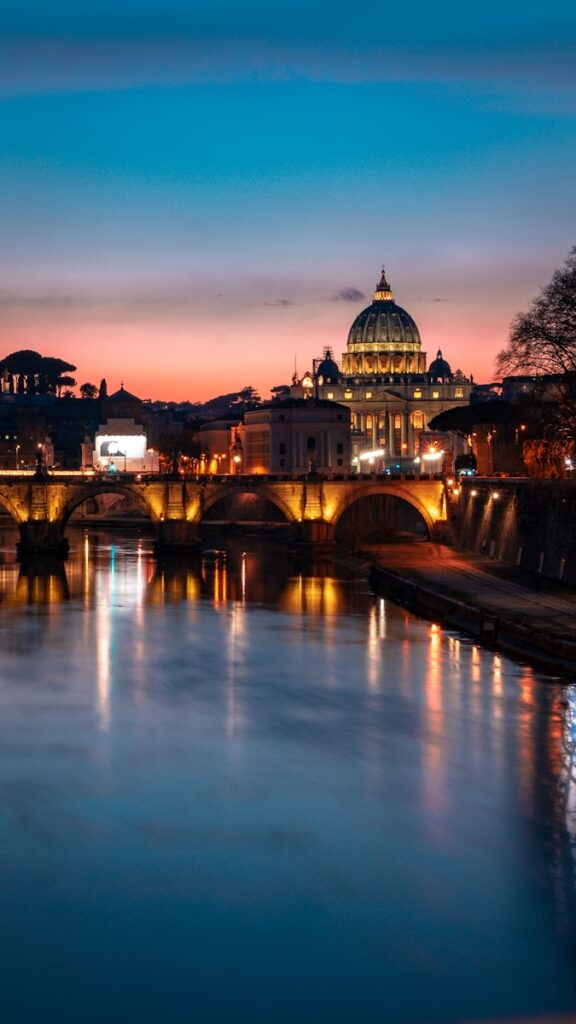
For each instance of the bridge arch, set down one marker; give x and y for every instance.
(361, 493)
(10, 505)
(85, 492)
(230, 491)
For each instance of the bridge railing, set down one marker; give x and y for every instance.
(87, 476)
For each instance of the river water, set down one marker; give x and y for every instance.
(242, 791)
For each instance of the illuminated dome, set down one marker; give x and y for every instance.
(384, 323)
(439, 369)
(328, 369)
(383, 339)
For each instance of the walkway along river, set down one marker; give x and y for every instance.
(237, 791)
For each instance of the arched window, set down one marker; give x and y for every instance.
(310, 444)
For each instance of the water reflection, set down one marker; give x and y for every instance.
(259, 771)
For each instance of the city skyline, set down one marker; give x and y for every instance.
(190, 201)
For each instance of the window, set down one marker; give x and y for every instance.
(282, 448)
(397, 433)
(418, 420)
(339, 462)
(281, 416)
(348, 394)
(435, 394)
(331, 395)
(458, 392)
(368, 394)
(282, 461)
(369, 422)
(310, 444)
(418, 393)
(339, 449)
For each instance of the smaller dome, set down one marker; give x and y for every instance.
(328, 369)
(439, 369)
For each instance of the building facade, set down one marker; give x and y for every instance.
(120, 443)
(296, 436)
(386, 383)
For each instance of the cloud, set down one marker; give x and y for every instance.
(132, 300)
(438, 300)
(13, 301)
(114, 302)
(38, 65)
(349, 294)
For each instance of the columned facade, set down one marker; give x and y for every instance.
(387, 384)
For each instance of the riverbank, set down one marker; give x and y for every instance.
(536, 624)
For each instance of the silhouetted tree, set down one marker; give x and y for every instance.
(56, 371)
(34, 373)
(23, 365)
(543, 340)
(88, 390)
(103, 391)
(249, 396)
(67, 383)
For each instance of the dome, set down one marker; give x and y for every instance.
(439, 369)
(328, 369)
(384, 322)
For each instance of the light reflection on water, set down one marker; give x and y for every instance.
(239, 791)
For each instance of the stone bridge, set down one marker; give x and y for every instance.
(42, 507)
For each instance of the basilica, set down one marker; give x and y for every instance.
(385, 381)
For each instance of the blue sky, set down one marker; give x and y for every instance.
(194, 193)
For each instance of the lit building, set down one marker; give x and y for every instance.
(120, 445)
(385, 382)
(217, 439)
(295, 435)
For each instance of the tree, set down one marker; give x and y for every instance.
(88, 390)
(543, 340)
(103, 391)
(30, 373)
(67, 383)
(23, 365)
(249, 396)
(178, 450)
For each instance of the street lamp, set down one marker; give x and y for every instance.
(17, 453)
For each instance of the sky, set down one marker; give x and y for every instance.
(195, 196)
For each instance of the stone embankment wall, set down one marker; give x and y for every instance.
(523, 522)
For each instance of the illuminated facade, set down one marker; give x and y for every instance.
(385, 382)
(295, 436)
(120, 444)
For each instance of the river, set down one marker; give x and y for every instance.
(246, 791)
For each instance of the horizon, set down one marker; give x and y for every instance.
(193, 199)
